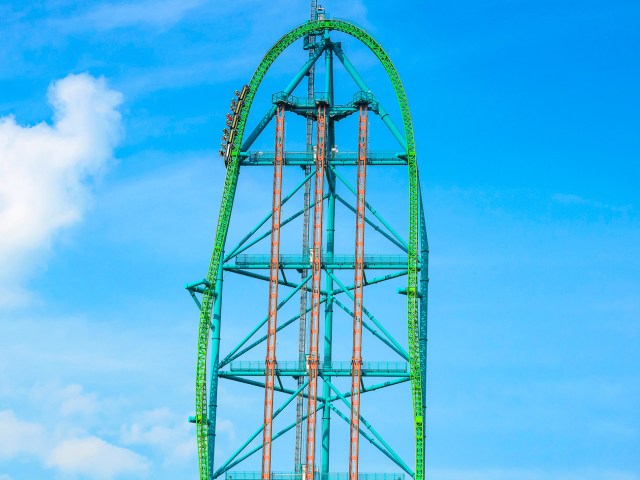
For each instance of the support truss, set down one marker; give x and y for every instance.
(322, 165)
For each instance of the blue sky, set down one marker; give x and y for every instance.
(527, 127)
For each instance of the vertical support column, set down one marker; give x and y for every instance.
(304, 295)
(270, 362)
(356, 359)
(215, 360)
(330, 244)
(316, 265)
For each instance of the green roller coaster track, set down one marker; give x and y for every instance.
(208, 295)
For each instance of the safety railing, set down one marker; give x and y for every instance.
(340, 366)
(249, 260)
(334, 155)
(317, 476)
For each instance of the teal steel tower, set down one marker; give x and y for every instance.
(310, 381)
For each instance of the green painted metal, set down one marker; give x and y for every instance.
(424, 302)
(215, 360)
(226, 205)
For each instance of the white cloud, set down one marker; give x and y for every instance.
(45, 172)
(108, 16)
(95, 458)
(66, 449)
(18, 437)
(68, 400)
(171, 434)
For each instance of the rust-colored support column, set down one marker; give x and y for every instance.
(316, 269)
(356, 359)
(270, 362)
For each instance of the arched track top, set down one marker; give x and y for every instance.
(317, 27)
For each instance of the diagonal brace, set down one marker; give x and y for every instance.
(261, 428)
(404, 354)
(267, 217)
(372, 210)
(290, 88)
(391, 453)
(264, 321)
(384, 116)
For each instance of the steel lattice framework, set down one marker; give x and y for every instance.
(321, 167)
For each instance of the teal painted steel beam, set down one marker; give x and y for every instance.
(325, 442)
(290, 88)
(199, 284)
(254, 383)
(373, 281)
(215, 359)
(264, 321)
(268, 216)
(268, 233)
(304, 373)
(373, 331)
(297, 475)
(264, 337)
(384, 116)
(371, 388)
(258, 265)
(195, 299)
(339, 162)
(321, 403)
(336, 261)
(371, 439)
(264, 159)
(372, 318)
(393, 455)
(257, 276)
(377, 386)
(373, 211)
(374, 225)
(333, 366)
(260, 429)
(334, 113)
(273, 439)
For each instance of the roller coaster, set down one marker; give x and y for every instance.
(321, 287)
